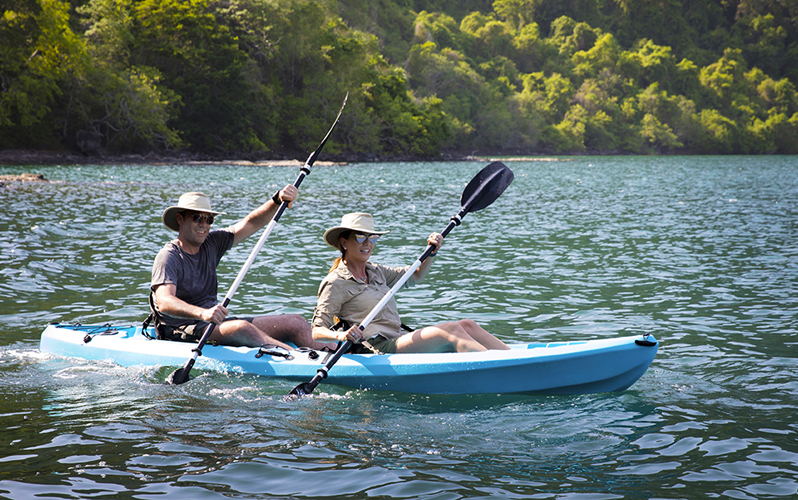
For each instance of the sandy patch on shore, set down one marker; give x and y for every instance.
(23, 178)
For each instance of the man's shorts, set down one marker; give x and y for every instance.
(189, 332)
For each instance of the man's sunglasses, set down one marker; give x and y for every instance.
(361, 238)
(200, 218)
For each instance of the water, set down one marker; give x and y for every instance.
(699, 251)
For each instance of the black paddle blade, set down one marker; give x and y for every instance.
(299, 391)
(306, 388)
(486, 186)
(177, 377)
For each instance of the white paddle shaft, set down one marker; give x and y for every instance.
(390, 294)
(250, 260)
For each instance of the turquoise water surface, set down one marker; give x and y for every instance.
(702, 252)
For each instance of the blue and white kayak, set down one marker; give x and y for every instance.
(575, 367)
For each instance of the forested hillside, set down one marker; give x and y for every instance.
(260, 78)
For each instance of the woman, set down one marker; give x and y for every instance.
(354, 286)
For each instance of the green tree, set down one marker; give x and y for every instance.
(660, 21)
(717, 133)
(570, 36)
(568, 135)
(387, 20)
(517, 13)
(38, 53)
(485, 37)
(445, 74)
(725, 78)
(201, 61)
(659, 136)
(533, 53)
(604, 54)
(657, 64)
(551, 95)
(438, 28)
(687, 81)
(123, 107)
(784, 132)
(763, 42)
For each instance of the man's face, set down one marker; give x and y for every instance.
(194, 226)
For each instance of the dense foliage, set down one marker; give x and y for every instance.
(466, 76)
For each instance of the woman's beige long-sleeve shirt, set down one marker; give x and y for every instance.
(343, 296)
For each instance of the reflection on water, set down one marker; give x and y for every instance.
(698, 251)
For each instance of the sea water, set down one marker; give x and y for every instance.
(701, 252)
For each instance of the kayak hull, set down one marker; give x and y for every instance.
(578, 367)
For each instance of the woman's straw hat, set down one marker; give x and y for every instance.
(357, 222)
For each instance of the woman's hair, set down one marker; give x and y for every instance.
(337, 262)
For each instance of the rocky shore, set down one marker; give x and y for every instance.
(26, 177)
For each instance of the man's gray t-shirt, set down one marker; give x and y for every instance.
(194, 275)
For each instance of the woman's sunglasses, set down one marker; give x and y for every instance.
(361, 238)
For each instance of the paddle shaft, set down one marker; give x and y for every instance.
(181, 375)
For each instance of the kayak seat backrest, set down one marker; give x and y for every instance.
(154, 318)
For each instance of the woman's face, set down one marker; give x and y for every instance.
(358, 246)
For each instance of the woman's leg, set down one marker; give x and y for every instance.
(482, 336)
(446, 337)
(456, 336)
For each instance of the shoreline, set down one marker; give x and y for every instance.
(30, 157)
(33, 177)
(25, 157)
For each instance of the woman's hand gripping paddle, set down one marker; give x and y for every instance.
(483, 190)
(181, 375)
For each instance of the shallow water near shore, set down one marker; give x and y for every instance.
(701, 252)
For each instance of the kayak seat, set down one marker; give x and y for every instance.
(153, 318)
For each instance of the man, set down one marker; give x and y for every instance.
(184, 282)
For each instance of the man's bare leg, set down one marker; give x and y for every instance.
(289, 328)
(276, 330)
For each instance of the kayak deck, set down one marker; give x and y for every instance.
(575, 367)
